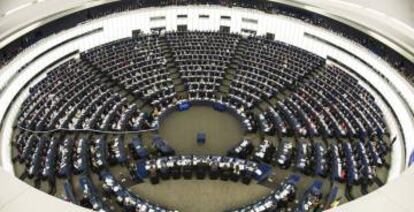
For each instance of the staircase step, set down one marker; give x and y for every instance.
(179, 88)
(258, 110)
(175, 75)
(226, 83)
(231, 70)
(265, 105)
(224, 90)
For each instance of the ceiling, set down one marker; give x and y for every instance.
(400, 9)
(392, 18)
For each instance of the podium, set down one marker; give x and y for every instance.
(201, 138)
(184, 106)
(219, 107)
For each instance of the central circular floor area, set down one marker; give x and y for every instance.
(222, 130)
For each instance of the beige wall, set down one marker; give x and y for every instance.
(17, 196)
(396, 196)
